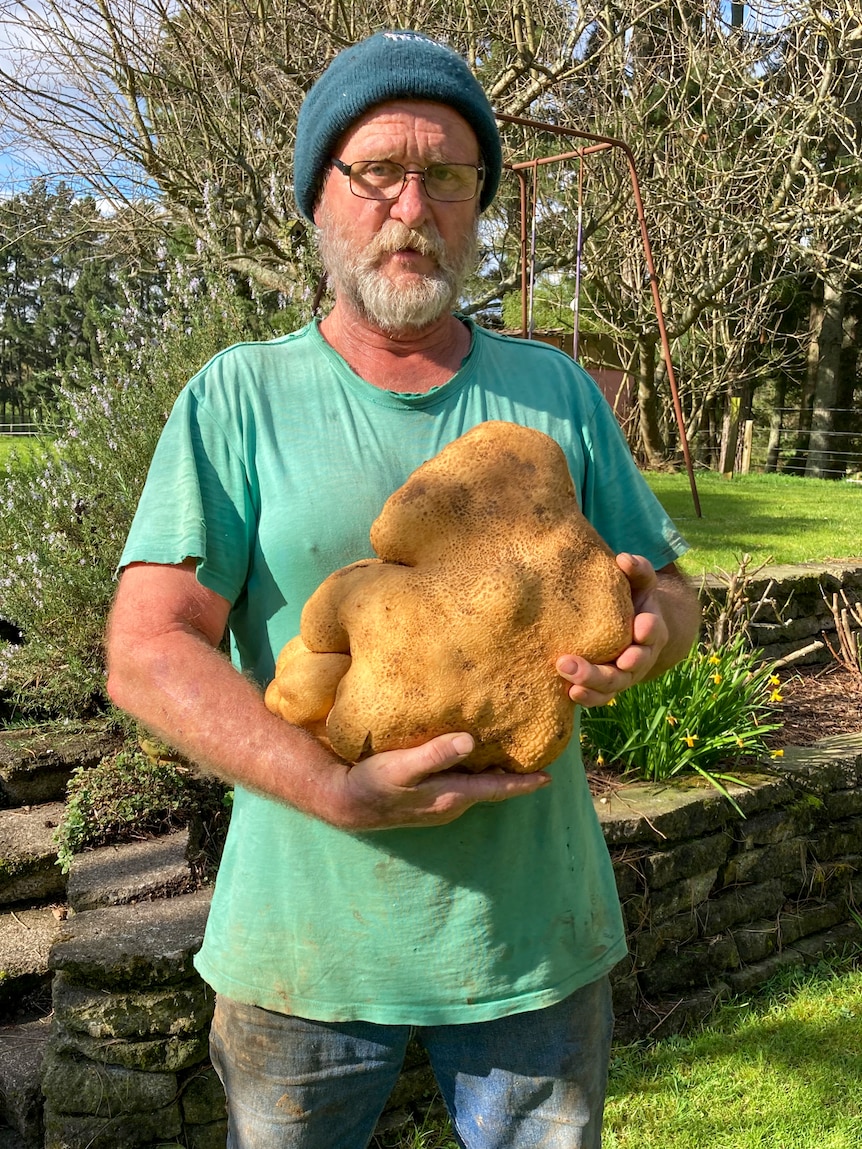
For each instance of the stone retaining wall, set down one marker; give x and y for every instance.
(791, 606)
(715, 904)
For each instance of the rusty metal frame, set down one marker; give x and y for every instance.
(600, 144)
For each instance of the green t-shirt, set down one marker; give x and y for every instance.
(274, 463)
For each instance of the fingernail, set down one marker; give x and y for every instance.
(567, 666)
(462, 744)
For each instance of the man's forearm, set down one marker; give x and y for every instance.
(681, 612)
(190, 695)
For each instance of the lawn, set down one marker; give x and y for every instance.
(784, 1072)
(14, 444)
(776, 518)
(782, 1069)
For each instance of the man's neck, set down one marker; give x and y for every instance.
(410, 361)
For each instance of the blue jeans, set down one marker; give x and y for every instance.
(527, 1081)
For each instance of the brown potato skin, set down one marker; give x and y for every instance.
(487, 573)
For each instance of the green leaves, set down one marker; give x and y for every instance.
(701, 717)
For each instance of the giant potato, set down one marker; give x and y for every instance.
(487, 573)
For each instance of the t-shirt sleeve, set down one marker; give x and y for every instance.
(616, 497)
(196, 502)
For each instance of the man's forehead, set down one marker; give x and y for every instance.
(412, 117)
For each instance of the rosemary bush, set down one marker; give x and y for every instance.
(702, 716)
(66, 506)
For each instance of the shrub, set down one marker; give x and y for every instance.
(130, 795)
(67, 506)
(702, 716)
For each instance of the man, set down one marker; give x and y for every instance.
(356, 905)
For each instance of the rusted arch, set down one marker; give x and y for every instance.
(600, 144)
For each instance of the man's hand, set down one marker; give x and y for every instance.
(422, 786)
(665, 625)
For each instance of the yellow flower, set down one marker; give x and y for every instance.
(777, 754)
(740, 742)
(774, 680)
(714, 660)
(600, 760)
(611, 702)
(671, 721)
(776, 696)
(689, 740)
(716, 678)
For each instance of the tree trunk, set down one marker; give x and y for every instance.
(824, 457)
(649, 407)
(776, 420)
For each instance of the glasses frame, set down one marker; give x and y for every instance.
(346, 170)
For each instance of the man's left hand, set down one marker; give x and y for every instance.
(665, 624)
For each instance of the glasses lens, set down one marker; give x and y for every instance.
(451, 182)
(384, 179)
(376, 179)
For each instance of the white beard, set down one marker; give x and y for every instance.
(386, 304)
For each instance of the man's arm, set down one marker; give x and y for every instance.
(666, 623)
(165, 670)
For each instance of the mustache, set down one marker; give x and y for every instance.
(396, 236)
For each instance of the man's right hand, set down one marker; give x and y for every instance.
(165, 670)
(423, 787)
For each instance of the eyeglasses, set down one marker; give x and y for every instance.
(385, 180)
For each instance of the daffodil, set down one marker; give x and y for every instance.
(611, 702)
(776, 696)
(689, 740)
(716, 678)
(714, 660)
(777, 754)
(774, 680)
(671, 721)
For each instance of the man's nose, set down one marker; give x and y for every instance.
(412, 205)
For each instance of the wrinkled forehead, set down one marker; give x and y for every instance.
(414, 128)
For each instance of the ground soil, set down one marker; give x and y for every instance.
(819, 701)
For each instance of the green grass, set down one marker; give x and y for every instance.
(14, 444)
(784, 1072)
(776, 518)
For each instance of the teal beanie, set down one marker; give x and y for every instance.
(388, 66)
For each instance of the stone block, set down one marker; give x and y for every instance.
(22, 1048)
(643, 813)
(756, 940)
(35, 765)
(663, 1018)
(671, 934)
(749, 977)
(809, 919)
(842, 838)
(202, 1097)
(777, 825)
(740, 904)
(831, 764)
(684, 895)
(28, 854)
(833, 941)
(157, 1055)
(211, 1136)
(182, 1010)
(765, 862)
(74, 1085)
(26, 937)
(843, 803)
(685, 860)
(132, 947)
(691, 967)
(125, 1131)
(131, 872)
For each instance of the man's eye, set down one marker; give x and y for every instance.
(380, 172)
(442, 173)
